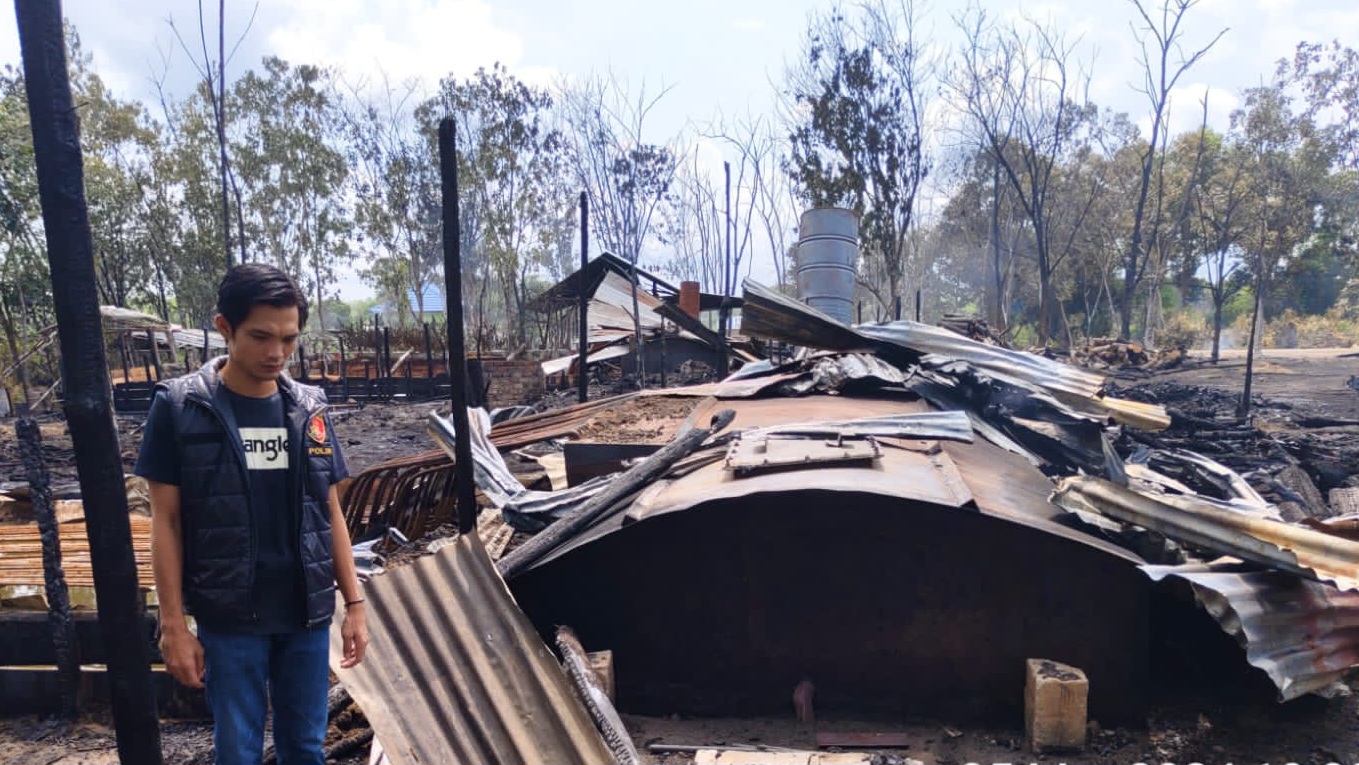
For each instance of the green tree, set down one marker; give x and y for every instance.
(516, 169)
(857, 104)
(395, 182)
(291, 172)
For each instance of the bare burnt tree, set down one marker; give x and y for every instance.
(1160, 40)
(627, 177)
(213, 75)
(1023, 98)
(693, 225)
(765, 204)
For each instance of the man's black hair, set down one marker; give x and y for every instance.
(251, 284)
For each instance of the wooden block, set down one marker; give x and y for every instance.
(1055, 706)
(602, 663)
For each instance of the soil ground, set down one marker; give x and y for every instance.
(1209, 725)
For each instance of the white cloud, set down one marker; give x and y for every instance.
(404, 39)
(1186, 107)
(748, 24)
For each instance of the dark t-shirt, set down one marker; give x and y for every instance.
(278, 589)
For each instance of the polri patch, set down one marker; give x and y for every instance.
(316, 429)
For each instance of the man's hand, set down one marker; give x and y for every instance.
(354, 631)
(183, 656)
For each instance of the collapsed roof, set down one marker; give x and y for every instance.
(1059, 420)
(963, 433)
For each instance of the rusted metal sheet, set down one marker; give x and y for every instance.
(410, 494)
(455, 673)
(1221, 528)
(768, 314)
(1303, 634)
(902, 474)
(865, 594)
(557, 423)
(747, 456)
(585, 461)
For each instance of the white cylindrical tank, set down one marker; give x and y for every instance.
(827, 255)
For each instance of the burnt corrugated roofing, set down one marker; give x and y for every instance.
(455, 674)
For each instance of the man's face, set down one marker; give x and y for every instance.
(261, 344)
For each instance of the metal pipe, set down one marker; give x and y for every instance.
(87, 405)
(457, 348)
(582, 380)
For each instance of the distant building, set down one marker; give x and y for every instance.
(433, 300)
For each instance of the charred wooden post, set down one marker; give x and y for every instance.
(457, 348)
(87, 404)
(385, 368)
(582, 379)
(146, 365)
(724, 312)
(1243, 407)
(429, 359)
(344, 371)
(58, 597)
(123, 356)
(155, 353)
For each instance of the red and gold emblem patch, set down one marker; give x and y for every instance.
(316, 429)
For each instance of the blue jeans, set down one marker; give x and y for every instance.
(246, 673)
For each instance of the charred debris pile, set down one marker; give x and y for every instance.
(954, 430)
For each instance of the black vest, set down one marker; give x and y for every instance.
(216, 514)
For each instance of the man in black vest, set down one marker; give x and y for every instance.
(247, 535)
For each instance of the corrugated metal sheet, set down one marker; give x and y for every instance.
(559, 365)
(556, 423)
(1053, 376)
(611, 305)
(1303, 634)
(431, 297)
(522, 508)
(948, 473)
(771, 315)
(1221, 528)
(455, 674)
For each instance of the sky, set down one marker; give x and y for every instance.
(716, 58)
